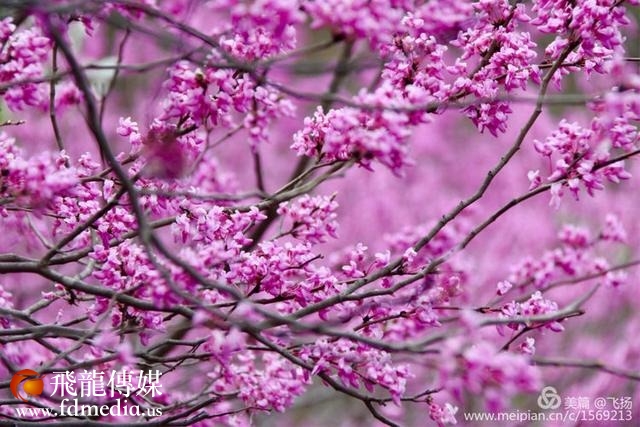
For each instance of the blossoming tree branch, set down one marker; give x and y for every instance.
(310, 212)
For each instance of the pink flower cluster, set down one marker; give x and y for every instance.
(312, 219)
(480, 366)
(273, 386)
(534, 306)
(274, 269)
(6, 301)
(33, 181)
(199, 224)
(596, 23)
(507, 61)
(262, 28)
(582, 157)
(443, 415)
(373, 20)
(22, 59)
(216, 97)
(357, 364)
(350, 133)
(577, 256)
(156, 237)
(128, 269)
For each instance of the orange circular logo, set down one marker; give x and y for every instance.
(31, 381)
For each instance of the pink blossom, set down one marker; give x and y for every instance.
(312, 218)
(272, 201)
